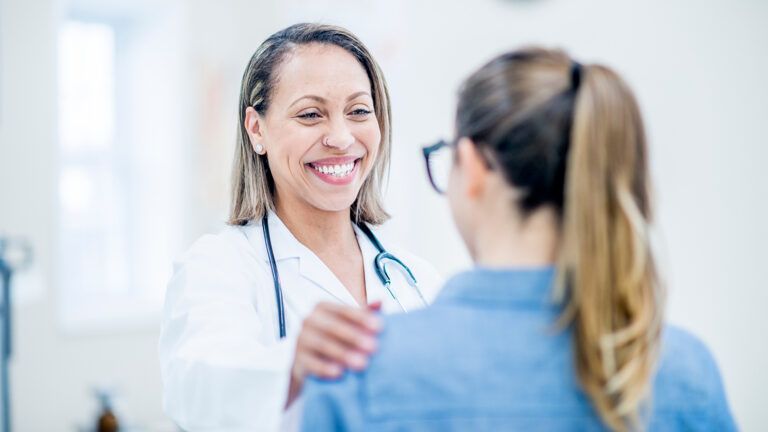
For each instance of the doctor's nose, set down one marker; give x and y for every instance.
(339, 137)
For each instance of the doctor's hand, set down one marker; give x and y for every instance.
(333, 338)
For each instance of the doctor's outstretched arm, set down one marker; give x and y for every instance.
(221, 368)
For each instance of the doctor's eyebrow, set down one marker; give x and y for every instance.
(323, 100)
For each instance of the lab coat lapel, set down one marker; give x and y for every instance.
(314, 270)
(311, 267)
(285, 246)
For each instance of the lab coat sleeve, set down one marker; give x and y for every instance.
(220, 371)
(333, 405)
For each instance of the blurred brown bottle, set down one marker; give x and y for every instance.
(107, 421)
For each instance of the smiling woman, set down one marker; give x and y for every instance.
(318, 54)
(289, 288)
(320, 147)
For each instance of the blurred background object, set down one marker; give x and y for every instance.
(117, 127)
(15, 256)
(107, 420)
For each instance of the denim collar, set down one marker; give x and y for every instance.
(502, 287)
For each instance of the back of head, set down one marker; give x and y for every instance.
(571, 136)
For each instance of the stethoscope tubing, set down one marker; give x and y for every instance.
(275, 278)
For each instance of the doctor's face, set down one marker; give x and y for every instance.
(320, 131)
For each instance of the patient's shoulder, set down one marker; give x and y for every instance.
(413, 348)
(686, 360)
(409, 336)
(688, 378)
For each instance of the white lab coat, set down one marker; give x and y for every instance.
(223, 365)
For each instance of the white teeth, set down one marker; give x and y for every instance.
(336, 170)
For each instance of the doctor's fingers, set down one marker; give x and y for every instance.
(310, 364)
(328, 349)
(332, 326)
(359, 316)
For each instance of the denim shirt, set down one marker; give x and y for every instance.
(487, 356)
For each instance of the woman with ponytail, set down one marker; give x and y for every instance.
(560, 325)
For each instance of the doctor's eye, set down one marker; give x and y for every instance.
(309, 115)
(360, 113)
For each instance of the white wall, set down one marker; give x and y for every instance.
(698, 68)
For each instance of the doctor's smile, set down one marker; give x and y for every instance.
(336, 171)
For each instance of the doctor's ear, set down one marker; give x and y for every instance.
(253, 125)
(472, 167)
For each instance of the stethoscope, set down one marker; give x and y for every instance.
(382, 258)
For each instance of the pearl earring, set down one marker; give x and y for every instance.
(259, 148)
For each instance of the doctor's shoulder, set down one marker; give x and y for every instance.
(227, 253)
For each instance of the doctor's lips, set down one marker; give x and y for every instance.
(336, 170)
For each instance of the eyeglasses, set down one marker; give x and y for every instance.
(439, 160)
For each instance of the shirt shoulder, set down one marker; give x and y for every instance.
(687, 365)
(333, 404)
(354, 401)
(688, 385)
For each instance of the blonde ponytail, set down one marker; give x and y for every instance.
(607, 269)
(571, 137)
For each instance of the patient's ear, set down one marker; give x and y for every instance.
(473, 168)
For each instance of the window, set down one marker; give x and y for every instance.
(118, 172)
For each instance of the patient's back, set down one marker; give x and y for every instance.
(488, 356)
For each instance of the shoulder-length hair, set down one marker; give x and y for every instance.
(253, 187)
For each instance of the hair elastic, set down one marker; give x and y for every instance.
(575, 75)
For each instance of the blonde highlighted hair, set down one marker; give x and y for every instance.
(253, 187)
(571, 136)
